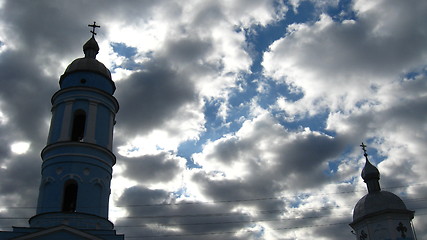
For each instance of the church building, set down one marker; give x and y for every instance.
(380, 215)
(78, 159)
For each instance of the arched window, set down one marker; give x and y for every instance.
(69, 198)
(79, 123)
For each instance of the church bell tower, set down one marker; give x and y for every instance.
(78, 159)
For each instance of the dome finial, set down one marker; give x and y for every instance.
(91, 47)
(93, 26)
(364, 151)
(370, 173)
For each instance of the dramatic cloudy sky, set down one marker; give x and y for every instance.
(239, 119)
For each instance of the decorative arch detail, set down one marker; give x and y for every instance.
(98, 181)
(48, 180)
(72, 177)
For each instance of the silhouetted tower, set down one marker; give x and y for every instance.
(78, 159)
(380, 215)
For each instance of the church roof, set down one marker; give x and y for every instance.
(58, 232)
(88, 64)
(378, 202)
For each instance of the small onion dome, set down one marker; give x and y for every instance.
(91, 48)
(371, 176)
(370, 172)
(88, 63)
(377, 203)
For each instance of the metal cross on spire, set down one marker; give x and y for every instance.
(93, 26)
(364, 150)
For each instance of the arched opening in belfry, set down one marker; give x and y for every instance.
(79, 123)
(69, 199)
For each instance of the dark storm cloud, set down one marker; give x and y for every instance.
(156, 213)
(187, 50)
(164, 88)
(36, 31)
(25, 95)
(151, 169)
(44, 27)
(257, 186)
(19, 187)
(150, 97)
(302, 160)
(27, 183)
(310, 150)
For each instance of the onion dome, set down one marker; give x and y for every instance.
(91, 48)
(89, 62)
(371, 176)
(370, 172)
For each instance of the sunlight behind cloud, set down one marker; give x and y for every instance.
(20, 147)
(3, 119)
(153, 143)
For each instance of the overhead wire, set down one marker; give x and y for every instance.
(237, 200)
(228, 214)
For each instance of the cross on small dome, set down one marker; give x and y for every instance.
(91, 48)
(93, 26)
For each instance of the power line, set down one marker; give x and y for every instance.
(233, 232)
(228, 222)
(228, 214)
(239, 213)
(235, 200)
(200, 215)
(232, 222)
